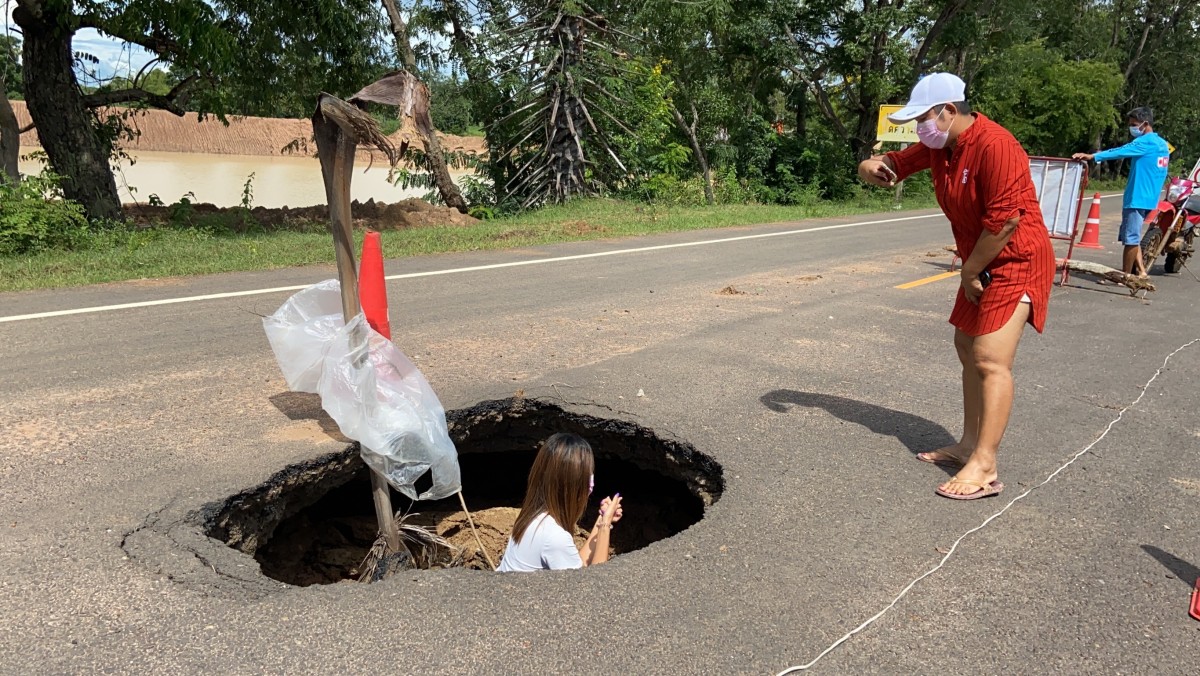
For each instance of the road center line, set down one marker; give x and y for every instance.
(473, 268)
(947, 275)
(927, 280)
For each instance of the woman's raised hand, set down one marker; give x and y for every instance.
(610, 511)
(877, 172)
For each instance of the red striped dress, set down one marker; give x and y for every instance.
(981, 184)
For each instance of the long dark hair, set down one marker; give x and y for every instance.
(558, 483)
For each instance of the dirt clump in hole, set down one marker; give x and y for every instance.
(494, 524)
(314, 522)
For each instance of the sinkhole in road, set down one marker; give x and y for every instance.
(314, 522)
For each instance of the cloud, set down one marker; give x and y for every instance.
(116, 57)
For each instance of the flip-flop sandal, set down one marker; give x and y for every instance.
(985, 490)
(925, 457)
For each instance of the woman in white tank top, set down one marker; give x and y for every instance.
(559, 484)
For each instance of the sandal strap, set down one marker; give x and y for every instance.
(968, 482)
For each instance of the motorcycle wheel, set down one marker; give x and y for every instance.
(1175, 261)
(1150, 244)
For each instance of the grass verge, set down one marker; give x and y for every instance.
(167, 252)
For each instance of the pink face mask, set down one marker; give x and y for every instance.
(930, 135)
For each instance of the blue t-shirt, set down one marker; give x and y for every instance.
(1147, 171)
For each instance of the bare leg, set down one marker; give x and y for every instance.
(972, 406)
(993, 359)
(1133, 261)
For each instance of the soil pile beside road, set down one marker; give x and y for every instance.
(161, 131)
(369, 215)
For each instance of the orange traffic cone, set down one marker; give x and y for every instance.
(372, 294)
(1091, 229)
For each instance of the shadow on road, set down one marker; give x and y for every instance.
(307, 406)
(916, 433)
(1096, 287)
(1186, 572)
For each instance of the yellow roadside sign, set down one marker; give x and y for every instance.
(1170, 148)
(897, 133)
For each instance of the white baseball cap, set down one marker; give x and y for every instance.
(931, 90)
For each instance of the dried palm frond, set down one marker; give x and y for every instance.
(423, 549)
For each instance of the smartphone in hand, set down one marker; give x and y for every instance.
(985, 278)
(888, 172)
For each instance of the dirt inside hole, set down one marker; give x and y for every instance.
(313, 523)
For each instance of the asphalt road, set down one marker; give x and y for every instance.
(813, 390)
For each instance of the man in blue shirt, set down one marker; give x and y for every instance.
(1149, 158)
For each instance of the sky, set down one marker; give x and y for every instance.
(116, 58)
(119, 58)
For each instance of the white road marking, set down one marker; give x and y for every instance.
(451, 271)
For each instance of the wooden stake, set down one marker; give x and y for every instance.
(336, 144)
(487, 557)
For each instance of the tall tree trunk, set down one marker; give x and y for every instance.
(65, 124)
(435, 158)
(802, 115)
(400, 31)
(10, 141)
(562, 173)
(862, 143)
(447, 188)
(690, 132)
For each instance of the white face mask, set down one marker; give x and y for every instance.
(930, 135)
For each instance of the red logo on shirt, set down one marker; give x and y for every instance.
(1164, 162)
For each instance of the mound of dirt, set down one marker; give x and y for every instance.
(161, 131)
(331, 547)
(369, 215)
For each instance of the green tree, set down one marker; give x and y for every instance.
(245, 56)
(542, 80)
(1054, 106)
(855, 56)
(688, 40)
(157, 82)
(10, 66)
(449, 105)
(10, 129)
(1056, 72)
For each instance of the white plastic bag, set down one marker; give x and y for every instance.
(369, 387)
(301, 330)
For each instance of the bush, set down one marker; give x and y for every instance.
(449, 106)
(34, 216)
(1055, 106)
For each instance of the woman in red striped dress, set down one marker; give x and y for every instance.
(982, 181)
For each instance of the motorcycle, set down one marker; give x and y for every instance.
(1172, 227)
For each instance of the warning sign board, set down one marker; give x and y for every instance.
(896, 133)
(1059, 184)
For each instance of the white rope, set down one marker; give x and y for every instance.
(954, 547)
